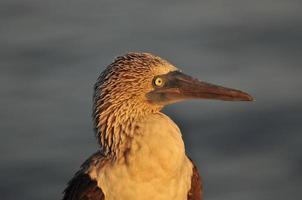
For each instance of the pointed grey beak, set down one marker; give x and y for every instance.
(178, 86)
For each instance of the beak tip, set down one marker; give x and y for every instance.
(249, 98)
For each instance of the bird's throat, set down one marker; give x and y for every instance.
(116, 126)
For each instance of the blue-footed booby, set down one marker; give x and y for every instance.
(142, 155)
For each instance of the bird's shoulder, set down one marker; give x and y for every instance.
(82, 186)
(196, 191)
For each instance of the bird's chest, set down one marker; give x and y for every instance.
(155, 167)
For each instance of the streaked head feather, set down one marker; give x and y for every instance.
(119, 97)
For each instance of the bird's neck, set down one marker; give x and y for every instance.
(116, 125)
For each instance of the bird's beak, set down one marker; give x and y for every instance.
(178, 86)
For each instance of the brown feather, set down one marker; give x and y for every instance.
(196, 191)
(82, 186)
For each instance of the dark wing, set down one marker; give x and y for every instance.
(81, 186)
(196, 191)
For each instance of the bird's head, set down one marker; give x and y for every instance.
(140, 83)
(144, 81)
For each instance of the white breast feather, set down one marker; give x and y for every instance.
(157, 167)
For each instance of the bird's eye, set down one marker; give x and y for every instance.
(158, 82)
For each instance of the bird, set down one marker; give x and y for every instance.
(141, 153)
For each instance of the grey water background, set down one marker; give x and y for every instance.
(52, 52)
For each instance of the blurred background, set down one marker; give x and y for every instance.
(52, 51)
